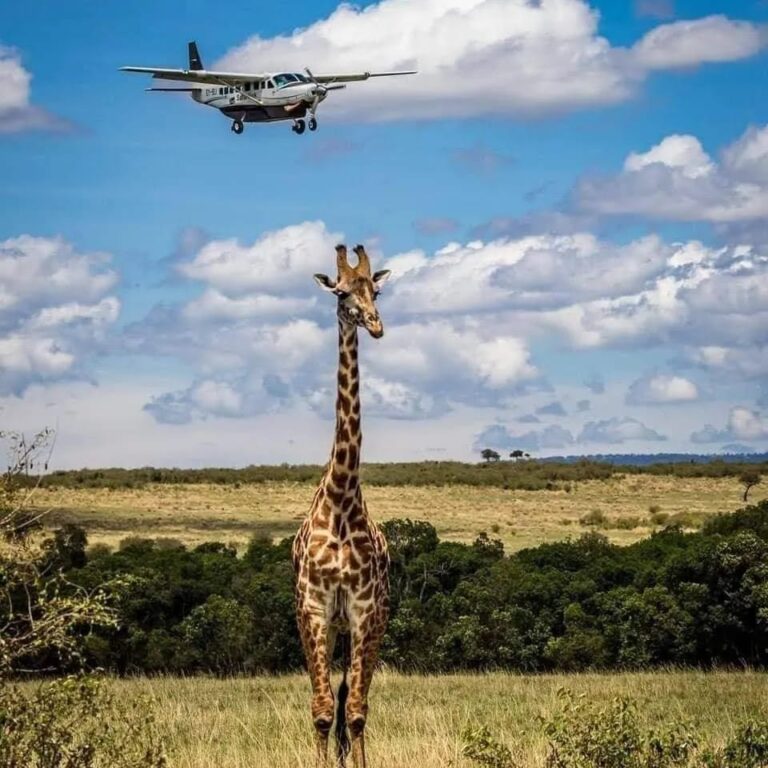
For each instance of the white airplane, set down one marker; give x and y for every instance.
(257, 98)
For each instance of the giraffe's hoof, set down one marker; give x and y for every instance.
(356, 724)
(323, 724)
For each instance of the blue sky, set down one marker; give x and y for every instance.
(571, 196)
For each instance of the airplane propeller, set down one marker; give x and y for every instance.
(320, 89)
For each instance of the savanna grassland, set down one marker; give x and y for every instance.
(191, 609)
(625, 507)
(419, 720)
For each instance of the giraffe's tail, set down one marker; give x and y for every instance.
(342, 734)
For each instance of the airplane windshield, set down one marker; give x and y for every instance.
(285, 79)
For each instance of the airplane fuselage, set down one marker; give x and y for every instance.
(282, 96)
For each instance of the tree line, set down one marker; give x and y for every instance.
(675, 598)
(525, 474)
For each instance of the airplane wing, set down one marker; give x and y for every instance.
(359, 76)
(198, 75)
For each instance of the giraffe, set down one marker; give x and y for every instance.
(340, 556)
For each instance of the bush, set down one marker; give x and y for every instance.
(45, 623)
(596, 517)
(747, 749)
(582, 735)
(75, 723)
(481, 748)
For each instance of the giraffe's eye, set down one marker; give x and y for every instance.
(376, 295)
(342, 294)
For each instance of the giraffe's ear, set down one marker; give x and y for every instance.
(325, 282)
(380, 277)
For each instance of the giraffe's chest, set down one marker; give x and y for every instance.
(337, 568)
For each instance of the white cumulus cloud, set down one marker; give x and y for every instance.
(459, 323)
(485, 56)
(618, 430)
(17, 113)
(261, 335)
(662, 388)
(55, 310)
(690, 43)
(743, 424)
(550, 438)
(678, 180)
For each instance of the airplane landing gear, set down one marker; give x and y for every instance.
(299, 126)
(312, 124)
(237, 126)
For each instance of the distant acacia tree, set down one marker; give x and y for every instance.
(517, 454)
(490, 455)
(749, 479)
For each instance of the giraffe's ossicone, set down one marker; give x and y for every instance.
(339, 555)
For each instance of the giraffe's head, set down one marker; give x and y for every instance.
(357, 290)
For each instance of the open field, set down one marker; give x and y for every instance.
(206, 512)
(417, 721)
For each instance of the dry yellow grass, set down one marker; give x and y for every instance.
(196, 513)
(417, 721)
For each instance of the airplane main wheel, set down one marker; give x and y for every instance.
(312, 124)
(237, 126)
(299, 127)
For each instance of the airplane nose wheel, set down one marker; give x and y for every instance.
(237, 126)
(299, 127)
(312, 124)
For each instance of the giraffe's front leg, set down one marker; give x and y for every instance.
(317, 641)
(365, 635)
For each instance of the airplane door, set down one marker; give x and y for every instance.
(269, 91)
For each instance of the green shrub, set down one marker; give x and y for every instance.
(596, 517)
(690, 520)
(74, 722)
(583, 735)
(747, 749)
(46, 621)
(482, 749)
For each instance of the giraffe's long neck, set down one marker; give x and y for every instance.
(343, 471)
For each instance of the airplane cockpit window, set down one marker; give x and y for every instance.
(285, 79)
(301, 78)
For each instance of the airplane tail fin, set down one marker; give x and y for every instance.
(195, 62)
